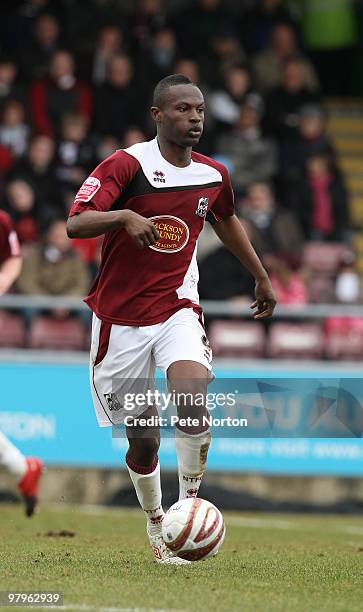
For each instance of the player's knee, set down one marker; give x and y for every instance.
(191, 404)
(144, 450)
(189, 393)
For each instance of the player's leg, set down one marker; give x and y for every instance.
(11, 458)
(27, 471)
(143, 465)
(188, 380)
(121, 361)
(183, 352)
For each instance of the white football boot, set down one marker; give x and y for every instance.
(162, 554)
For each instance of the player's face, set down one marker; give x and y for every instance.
(181, 119)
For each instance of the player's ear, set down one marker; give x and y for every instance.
(156, 113)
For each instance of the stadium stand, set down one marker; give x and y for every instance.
(344, 338)
(237, 339)
(12, 330)
(61, 66)
(295, 341)
(51, 333)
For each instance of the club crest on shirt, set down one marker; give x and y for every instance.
(112, 401)
(159, 176)
(202, 207)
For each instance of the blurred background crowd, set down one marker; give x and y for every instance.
(282, 83)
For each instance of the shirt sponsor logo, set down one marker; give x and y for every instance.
(202, 207)
(88, 189)
(174, 234)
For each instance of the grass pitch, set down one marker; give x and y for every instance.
(285, 563)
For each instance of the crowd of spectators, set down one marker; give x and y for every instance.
(76, 78)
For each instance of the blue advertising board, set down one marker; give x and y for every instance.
(46, 410)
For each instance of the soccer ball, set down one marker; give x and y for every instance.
(193, 529)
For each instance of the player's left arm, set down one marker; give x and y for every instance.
(233, 235)
(230, 231)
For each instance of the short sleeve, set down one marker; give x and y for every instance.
(224, 204)
(105, 184)
(10, 246)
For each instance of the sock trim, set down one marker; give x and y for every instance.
(139, 469)
(196, 431)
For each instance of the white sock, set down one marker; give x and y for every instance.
(192, 453)
(12, 458)
(148, 490)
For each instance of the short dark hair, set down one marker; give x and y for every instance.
(165, 83)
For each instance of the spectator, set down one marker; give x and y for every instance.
(117, 100)
(234, 281)
(35, 57)
(84, 18)
(105, 146)
(22, 22)
(190, 69)
(348, 287)
(320, 201)
(258, 23)
(157, 61)
(110, 42)
(10, 88)
(311, 139)
(268, 65)
(148, 19)
(226, 51)
(6, 163)
(37, 168)
(59, 94)
(52, 267)
(132, 136)
(273, 229)
(75, 152)
(250, 156)
(287, 282)
(24, 210)
(14, 131)
(196, 25)
(225, 103)
(285, 102)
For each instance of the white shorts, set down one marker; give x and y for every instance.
(120, 354)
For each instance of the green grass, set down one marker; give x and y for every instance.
(287, 563)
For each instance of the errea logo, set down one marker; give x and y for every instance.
(159, 176)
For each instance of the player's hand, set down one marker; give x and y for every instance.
(265, 299)
(140, 229)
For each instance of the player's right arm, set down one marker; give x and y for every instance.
(91, 213)
(91, 223)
